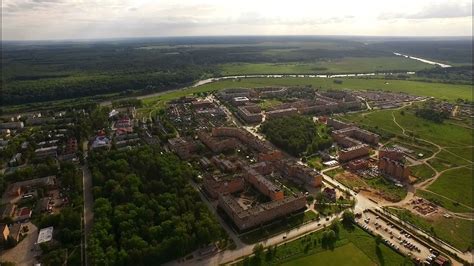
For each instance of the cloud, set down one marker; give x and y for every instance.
(435, 11)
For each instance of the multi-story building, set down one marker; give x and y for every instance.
(11, 125)
(184, 148)
(250, 113)
(216, 186)
(392, 164)
(46, 152)
(354, 152)
(299, 173)
(265, 186)
(281, 112)
(217, 145)
(261, 213)
(356, 133)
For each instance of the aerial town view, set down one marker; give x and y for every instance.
(210, 133)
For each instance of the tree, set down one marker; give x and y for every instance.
(378, 239)
(258, 250)
(348, 218)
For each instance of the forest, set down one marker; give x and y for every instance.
(39, 72)
(295, 134)
(145, 208)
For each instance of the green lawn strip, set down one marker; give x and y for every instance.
(456, 185)
(443, 202)
(422, 172)
(279, 226)
(457, 232)
(345, 255)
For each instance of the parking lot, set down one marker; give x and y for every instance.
(397, 238)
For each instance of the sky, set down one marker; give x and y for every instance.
(91, 19)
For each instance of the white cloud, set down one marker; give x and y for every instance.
(64, 19)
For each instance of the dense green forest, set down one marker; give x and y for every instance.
(295, 134)
(145, 209)
(44, 71)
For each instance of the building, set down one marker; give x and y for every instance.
(281, 113)
(360, 164)
(23, 214)
(184, 148)
(224, 164)
(7, 210)
(354, 152)
(215, 144)
(337, 124)
(45, 235)
(240, 100)
(299, 173)
(392, 164)
(354, 133)
(250, 113)
(265, 186)
(42, 153)
(216, 186)
(260, 214)
(244, 137)
(12, 125)
(17, 188)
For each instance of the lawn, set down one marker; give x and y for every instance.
(422, 172)
(342, 65)
(443, 202)
(268, 103)
(346, 255)
(456, 185)
(457, 232)
(353, 245)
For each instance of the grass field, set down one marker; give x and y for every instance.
(456, 185)
(422, 172)
(443, 202)
(346, 255)
(457, 232)
(343, 65)
(268, 103)
(352, 245)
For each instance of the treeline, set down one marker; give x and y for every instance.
(431, 114)
(295, 134)
(455, 75)
(145, 210)
(46, 72)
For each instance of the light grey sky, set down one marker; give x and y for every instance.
(77, 19)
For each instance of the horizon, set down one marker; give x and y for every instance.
(321, 37)
(69, 20)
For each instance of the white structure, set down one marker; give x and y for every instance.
(45, 235)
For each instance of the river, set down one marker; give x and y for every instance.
(423, 60)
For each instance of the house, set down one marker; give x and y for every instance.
(23, 214)
(15, 160)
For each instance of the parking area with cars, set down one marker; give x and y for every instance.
(400, 240)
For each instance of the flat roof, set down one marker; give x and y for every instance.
(45, 235)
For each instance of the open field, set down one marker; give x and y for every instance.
(342, 65)
(346, 255)
(353, 244)
(449, 205)
(422, 172)
(456, 185)
(457, 232)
